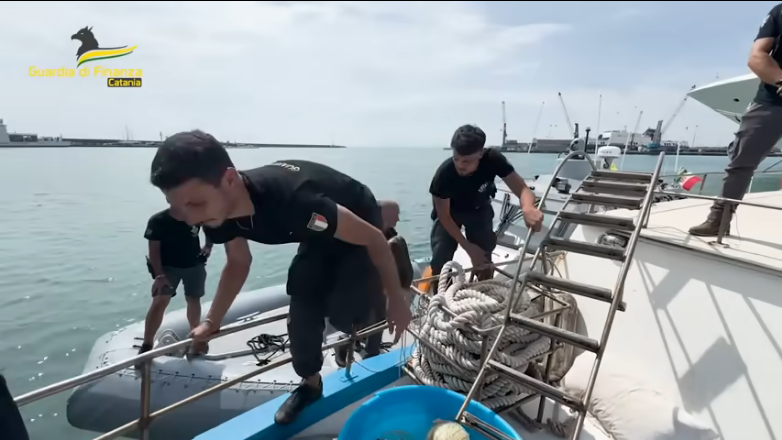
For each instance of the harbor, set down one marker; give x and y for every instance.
(32, 140)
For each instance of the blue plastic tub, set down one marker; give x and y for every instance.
(409, 412)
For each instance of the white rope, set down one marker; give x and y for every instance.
(481, 304)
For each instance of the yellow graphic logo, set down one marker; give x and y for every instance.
(90, 50)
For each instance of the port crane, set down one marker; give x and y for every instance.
(567, 117)
(660, 130)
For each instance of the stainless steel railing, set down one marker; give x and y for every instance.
(146, 416)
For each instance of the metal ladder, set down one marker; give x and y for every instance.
(613, 189)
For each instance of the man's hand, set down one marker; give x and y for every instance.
(203, 331)
(477, 255)
(158, 285)
(398, 314)
(533, 218)
(206, 251)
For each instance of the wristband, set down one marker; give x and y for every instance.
(160, 276)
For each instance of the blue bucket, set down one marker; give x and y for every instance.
(409, 412)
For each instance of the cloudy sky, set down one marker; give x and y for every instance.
(374, 73)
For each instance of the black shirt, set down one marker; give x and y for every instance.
(771, 28)
(179, 243)
(468, 193)
(296, 201)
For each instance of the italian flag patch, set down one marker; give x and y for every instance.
(317, 223)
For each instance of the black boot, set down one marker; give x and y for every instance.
(709, 228)
(300, 398)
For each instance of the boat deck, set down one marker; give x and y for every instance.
(703, 321)
(756, 236)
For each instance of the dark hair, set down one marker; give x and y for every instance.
(189, 155)
(468, 139)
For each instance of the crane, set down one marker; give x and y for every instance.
(504, 126)
(567, 117)
(658, 136)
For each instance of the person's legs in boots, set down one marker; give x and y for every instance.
(758, 133)
(479, 229)
(194, 281)
(160, 300)
(308, 284)
(443, 248)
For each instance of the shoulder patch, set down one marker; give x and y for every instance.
(317, 222)
(765, 20)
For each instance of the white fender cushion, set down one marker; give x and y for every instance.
(630, 408)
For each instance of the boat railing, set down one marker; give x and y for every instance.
(146, 416)
(705, 175)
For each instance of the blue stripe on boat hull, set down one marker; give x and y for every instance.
(369, 376)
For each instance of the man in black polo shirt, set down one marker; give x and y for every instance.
(462, 188)
(343, 264)
(175, 255)
(761, 126)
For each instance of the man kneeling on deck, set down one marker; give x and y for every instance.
(343, 264)
(462, 189)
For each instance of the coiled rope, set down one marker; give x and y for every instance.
(481, 304)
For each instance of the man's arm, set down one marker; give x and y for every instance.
(354, 230)
(443, 209)
(760, 61)
(520, 188)
(154, 258)
(154, 236)
(318, 217)
(237, 267)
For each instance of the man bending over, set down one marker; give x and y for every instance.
(343, 264)
(462, 189)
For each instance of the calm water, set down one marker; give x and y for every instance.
(72, 247)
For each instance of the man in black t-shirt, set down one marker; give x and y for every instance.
(343, 264)
(760, 128)
(462, 189)
(175, 255)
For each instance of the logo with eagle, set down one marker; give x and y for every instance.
(90, 50)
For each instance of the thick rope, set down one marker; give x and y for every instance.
(481, 304)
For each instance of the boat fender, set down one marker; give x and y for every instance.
(401, 254)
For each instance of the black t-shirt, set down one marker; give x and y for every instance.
(771, 28)
(468, 193)
(179, 243)
(296, 201)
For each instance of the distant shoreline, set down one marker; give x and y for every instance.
(156, 145)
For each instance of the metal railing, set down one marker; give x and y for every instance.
(146, 416)
(704, 176)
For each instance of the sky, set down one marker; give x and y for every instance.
(374, 74)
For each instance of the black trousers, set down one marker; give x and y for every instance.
(336, 280)
(11, 422)
(479, 229)
(759, 131)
